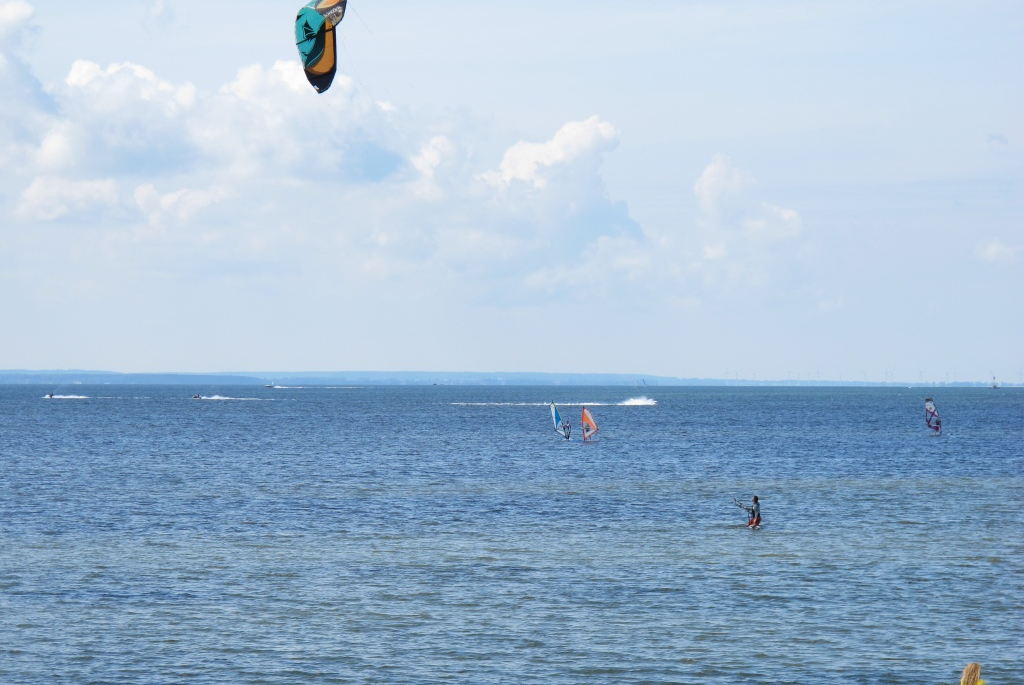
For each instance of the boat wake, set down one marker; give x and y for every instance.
(66, 397)
(631, 402)
(639, 402)
(221, 398)
(312, 387)
(500, 404)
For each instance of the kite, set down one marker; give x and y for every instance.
(314, 36)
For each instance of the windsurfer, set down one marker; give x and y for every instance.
(589, 426)
(931, 416)
(561, 427)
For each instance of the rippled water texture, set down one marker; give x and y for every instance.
(448, 535)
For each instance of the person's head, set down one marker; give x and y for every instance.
(755, 498)
(972, 674)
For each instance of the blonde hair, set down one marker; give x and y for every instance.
(972, 674)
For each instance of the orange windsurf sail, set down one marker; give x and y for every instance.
(589, 425)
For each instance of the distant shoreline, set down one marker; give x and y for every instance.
(425, 378)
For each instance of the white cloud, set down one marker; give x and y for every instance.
(180, 205)
(160, 12)
(719, 186)
(544, 205)
(723, 193)
(56, 151)
(13, 16)
(533, 163)
(606, 265)
(123, 120)
(51, 197)
(272, 121)
(995, 252)
(127, 84)
(264, 86)
(773, 223)
(553, 193)
(713, 253)
(125, 88)
(427, 161)
(267, 151)
(744, 240)
(24, 110)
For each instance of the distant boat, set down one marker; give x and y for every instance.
(995, 386)
(561, 427)
(589, 425)
(931, 416)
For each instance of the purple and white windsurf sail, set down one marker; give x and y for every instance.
(931, 415)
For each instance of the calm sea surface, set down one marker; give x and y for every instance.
(448, 535)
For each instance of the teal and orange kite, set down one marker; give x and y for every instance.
(314, 36)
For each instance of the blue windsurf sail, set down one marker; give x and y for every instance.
(561, 427)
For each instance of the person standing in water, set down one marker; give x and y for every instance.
(755, 513)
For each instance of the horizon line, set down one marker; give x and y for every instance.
(43, 376)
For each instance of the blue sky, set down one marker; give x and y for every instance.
(698, 189)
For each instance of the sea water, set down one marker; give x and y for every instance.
(449, 535)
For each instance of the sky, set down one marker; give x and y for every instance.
(728, 189)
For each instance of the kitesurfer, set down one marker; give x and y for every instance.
(753, 511)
